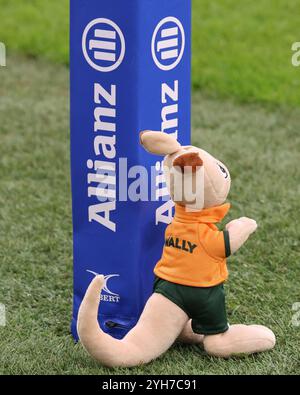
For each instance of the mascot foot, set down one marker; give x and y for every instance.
(240, 339)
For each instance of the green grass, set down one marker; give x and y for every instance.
(261, 148)
(36, 27)
(240, 49)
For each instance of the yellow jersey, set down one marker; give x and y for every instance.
(195, 250)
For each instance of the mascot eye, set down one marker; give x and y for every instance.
(223, 170)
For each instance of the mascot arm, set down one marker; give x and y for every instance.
(239, 231)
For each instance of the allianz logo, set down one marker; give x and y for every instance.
(168, 43)
(107, 295)
(103, 45)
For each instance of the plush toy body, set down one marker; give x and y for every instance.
(188, 302)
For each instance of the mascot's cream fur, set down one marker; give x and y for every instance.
(162, 321)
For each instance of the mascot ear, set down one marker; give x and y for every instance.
(159, 143)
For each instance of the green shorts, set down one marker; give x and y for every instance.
(205, 306)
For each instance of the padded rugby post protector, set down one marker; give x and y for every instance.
(130, 70)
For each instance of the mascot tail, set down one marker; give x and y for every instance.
(159, 326)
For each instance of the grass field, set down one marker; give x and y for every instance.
(261, 147)
(240, 49)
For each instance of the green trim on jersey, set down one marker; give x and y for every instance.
(227, 243)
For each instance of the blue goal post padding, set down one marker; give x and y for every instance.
(130, 70)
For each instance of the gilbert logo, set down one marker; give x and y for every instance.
(103, 45)
(109, 296)
(168, 43)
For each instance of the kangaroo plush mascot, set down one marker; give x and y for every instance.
(188, 301)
